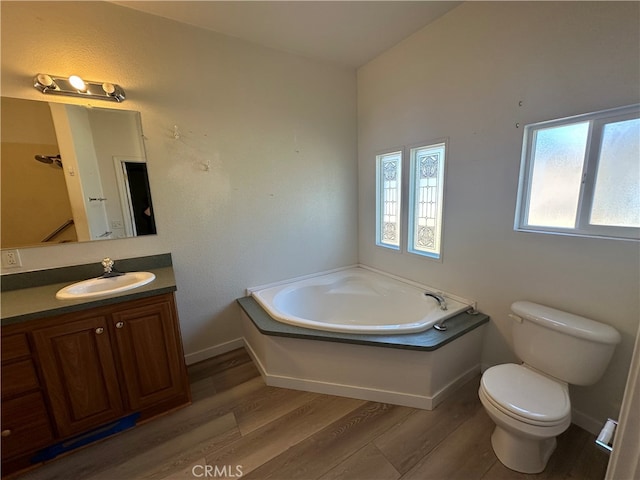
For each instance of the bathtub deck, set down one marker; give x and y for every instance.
(428, 340)
(235, 420)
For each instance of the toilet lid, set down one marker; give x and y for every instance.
(527, 394)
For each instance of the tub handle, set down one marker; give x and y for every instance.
(515, 317)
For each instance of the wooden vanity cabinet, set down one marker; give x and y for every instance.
(97, 366)
(26, 425)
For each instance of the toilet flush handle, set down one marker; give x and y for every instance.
(515, 317)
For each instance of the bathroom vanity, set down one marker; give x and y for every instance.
(73, 371)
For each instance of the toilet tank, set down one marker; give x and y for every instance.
(569, 347)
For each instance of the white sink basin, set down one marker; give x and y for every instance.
(97, 287)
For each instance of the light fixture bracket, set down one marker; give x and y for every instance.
(54, 85)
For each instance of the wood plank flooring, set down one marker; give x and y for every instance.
(239, 427)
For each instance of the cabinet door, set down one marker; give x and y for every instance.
(25, 425)
(149, 349)
(79, 371)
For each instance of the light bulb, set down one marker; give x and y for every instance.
(44, 80)
(108, 88)
(77, 83)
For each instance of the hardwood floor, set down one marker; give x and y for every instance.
(239, 427)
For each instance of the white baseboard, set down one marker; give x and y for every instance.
(450, 389)
(255, 358)
(590, 424)
(362, 393)
(214, 351)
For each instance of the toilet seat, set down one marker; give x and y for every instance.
(527, 396)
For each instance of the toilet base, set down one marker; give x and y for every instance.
(525, 455)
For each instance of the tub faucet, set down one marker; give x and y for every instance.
(439, 298)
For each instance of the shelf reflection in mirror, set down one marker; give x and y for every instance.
(72, 173)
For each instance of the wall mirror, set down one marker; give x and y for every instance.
(71, 173)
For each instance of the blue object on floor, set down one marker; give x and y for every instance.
(86, 438)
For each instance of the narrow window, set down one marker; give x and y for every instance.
(426, 199)
(388, 199)
(581, 175)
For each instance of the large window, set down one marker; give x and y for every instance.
(423, 212)
(581, 175)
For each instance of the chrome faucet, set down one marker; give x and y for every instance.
(107, 264)
(440, 326)
(109, 271)
(439, 298)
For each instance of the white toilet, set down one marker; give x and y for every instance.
(529, 403)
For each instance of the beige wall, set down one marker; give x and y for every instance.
(278, 131)
(463, 77)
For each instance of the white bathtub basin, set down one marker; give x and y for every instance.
(356, 300)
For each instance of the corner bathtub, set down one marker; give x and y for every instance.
(362, 334)
(356, 300)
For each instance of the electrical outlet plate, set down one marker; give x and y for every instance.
(11, 259)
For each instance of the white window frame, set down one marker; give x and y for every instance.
(380, 213)
(582, 228)
(439, 148)
(408, 183)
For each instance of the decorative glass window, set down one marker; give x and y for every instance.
(426, 199)
(581, 175)
(388, 199)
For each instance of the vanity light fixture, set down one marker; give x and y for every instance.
(77, 87)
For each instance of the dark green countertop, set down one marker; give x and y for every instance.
(39, 301)
(427, 341)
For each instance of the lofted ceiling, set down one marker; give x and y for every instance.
(346, 32)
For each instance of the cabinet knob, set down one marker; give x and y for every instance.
(99, 330)
(6, 433)
(119, 324)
